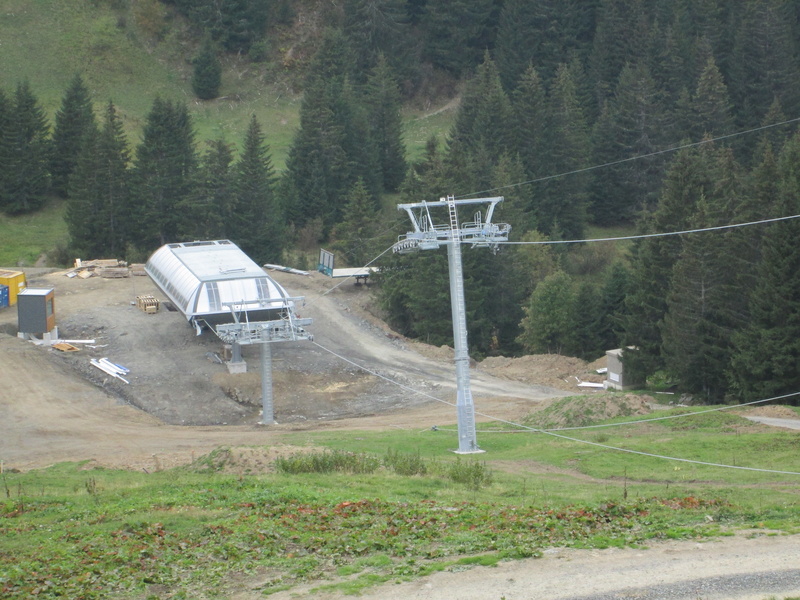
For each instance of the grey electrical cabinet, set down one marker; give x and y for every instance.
(36, 310)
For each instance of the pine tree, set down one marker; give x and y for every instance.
(688, 178)
(259, 224)
(766, 356)
(386, 125)
(359, 225)
(378, 28)
(207, 73)
(71, 123)
(5, 121)
(164, 173)
(214, 203)
(25, 155)
(759, 69)
(483, 123)
(612, 306)
(457, 32)
(561, 202)
(712, 106)
(98, 208)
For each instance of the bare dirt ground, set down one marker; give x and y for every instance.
(181, 403)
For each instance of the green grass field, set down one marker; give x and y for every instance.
(386, 506)
(25, 238)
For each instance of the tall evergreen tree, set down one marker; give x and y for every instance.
(164, 173)
(763, 64)
(25, 154)
(98, 209)
(71, 123)
(688, 178)
(5, 121)
(766, 356)
(483, 121)
(207, 73)
(386, 125)
(259, 230)
(561, 202)
(377, 28)
(457, 32)
(359, 225)
(711, 103)
(214, 203)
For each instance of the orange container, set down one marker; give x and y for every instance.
(15, 280)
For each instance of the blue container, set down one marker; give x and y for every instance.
(3, 296)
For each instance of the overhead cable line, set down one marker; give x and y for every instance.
(552, 433)
(633, 158)
(652, 235)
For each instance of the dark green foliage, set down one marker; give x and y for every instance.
(382, 100)
(548, 326)
(560, 203)
(164, 173)
(99, 210)
(257, 221)
(766, 359)
(24, 154)
(457, 32)
(236, 24)
(354, 235)
(376, 28)
(214, 203)
(72, 122)
(207, 73)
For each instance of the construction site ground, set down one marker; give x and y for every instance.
(181, 403)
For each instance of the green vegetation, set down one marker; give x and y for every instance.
(353, 518)
(25, 238)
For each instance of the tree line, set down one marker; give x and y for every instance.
(552, 89)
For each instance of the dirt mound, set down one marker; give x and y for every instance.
(562, 372)
(587, 410)
(774, 412)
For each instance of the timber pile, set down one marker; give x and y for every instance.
(110, 268)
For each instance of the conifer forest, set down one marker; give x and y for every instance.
(640, 116)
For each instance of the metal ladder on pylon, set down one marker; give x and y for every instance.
(464, 403)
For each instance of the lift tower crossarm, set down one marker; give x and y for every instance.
(428, 236)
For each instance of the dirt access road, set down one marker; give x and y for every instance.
(181, 404)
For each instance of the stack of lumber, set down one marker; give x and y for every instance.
(104, 267)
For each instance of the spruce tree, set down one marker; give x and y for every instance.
(207, 73)
(457, 32)
(98, 207)
(213, 204)
(713, 114)
(386, 125)
(561, 201)
(72, 121)
(766, 356)
(164, 173)
(259, 222)
(25, 155)
(353, 236)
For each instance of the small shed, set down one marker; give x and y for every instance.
(36, 310)
(15, 280)
(617, 378)
(209, 281)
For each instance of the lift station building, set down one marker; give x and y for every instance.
(214, 282)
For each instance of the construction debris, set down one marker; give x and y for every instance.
(65, 347)
(105, 267)
(116, 371)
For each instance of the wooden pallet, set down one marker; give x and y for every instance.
(147, 304)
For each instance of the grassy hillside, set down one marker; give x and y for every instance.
(366, 510)
(131, 52)
(25, 238)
